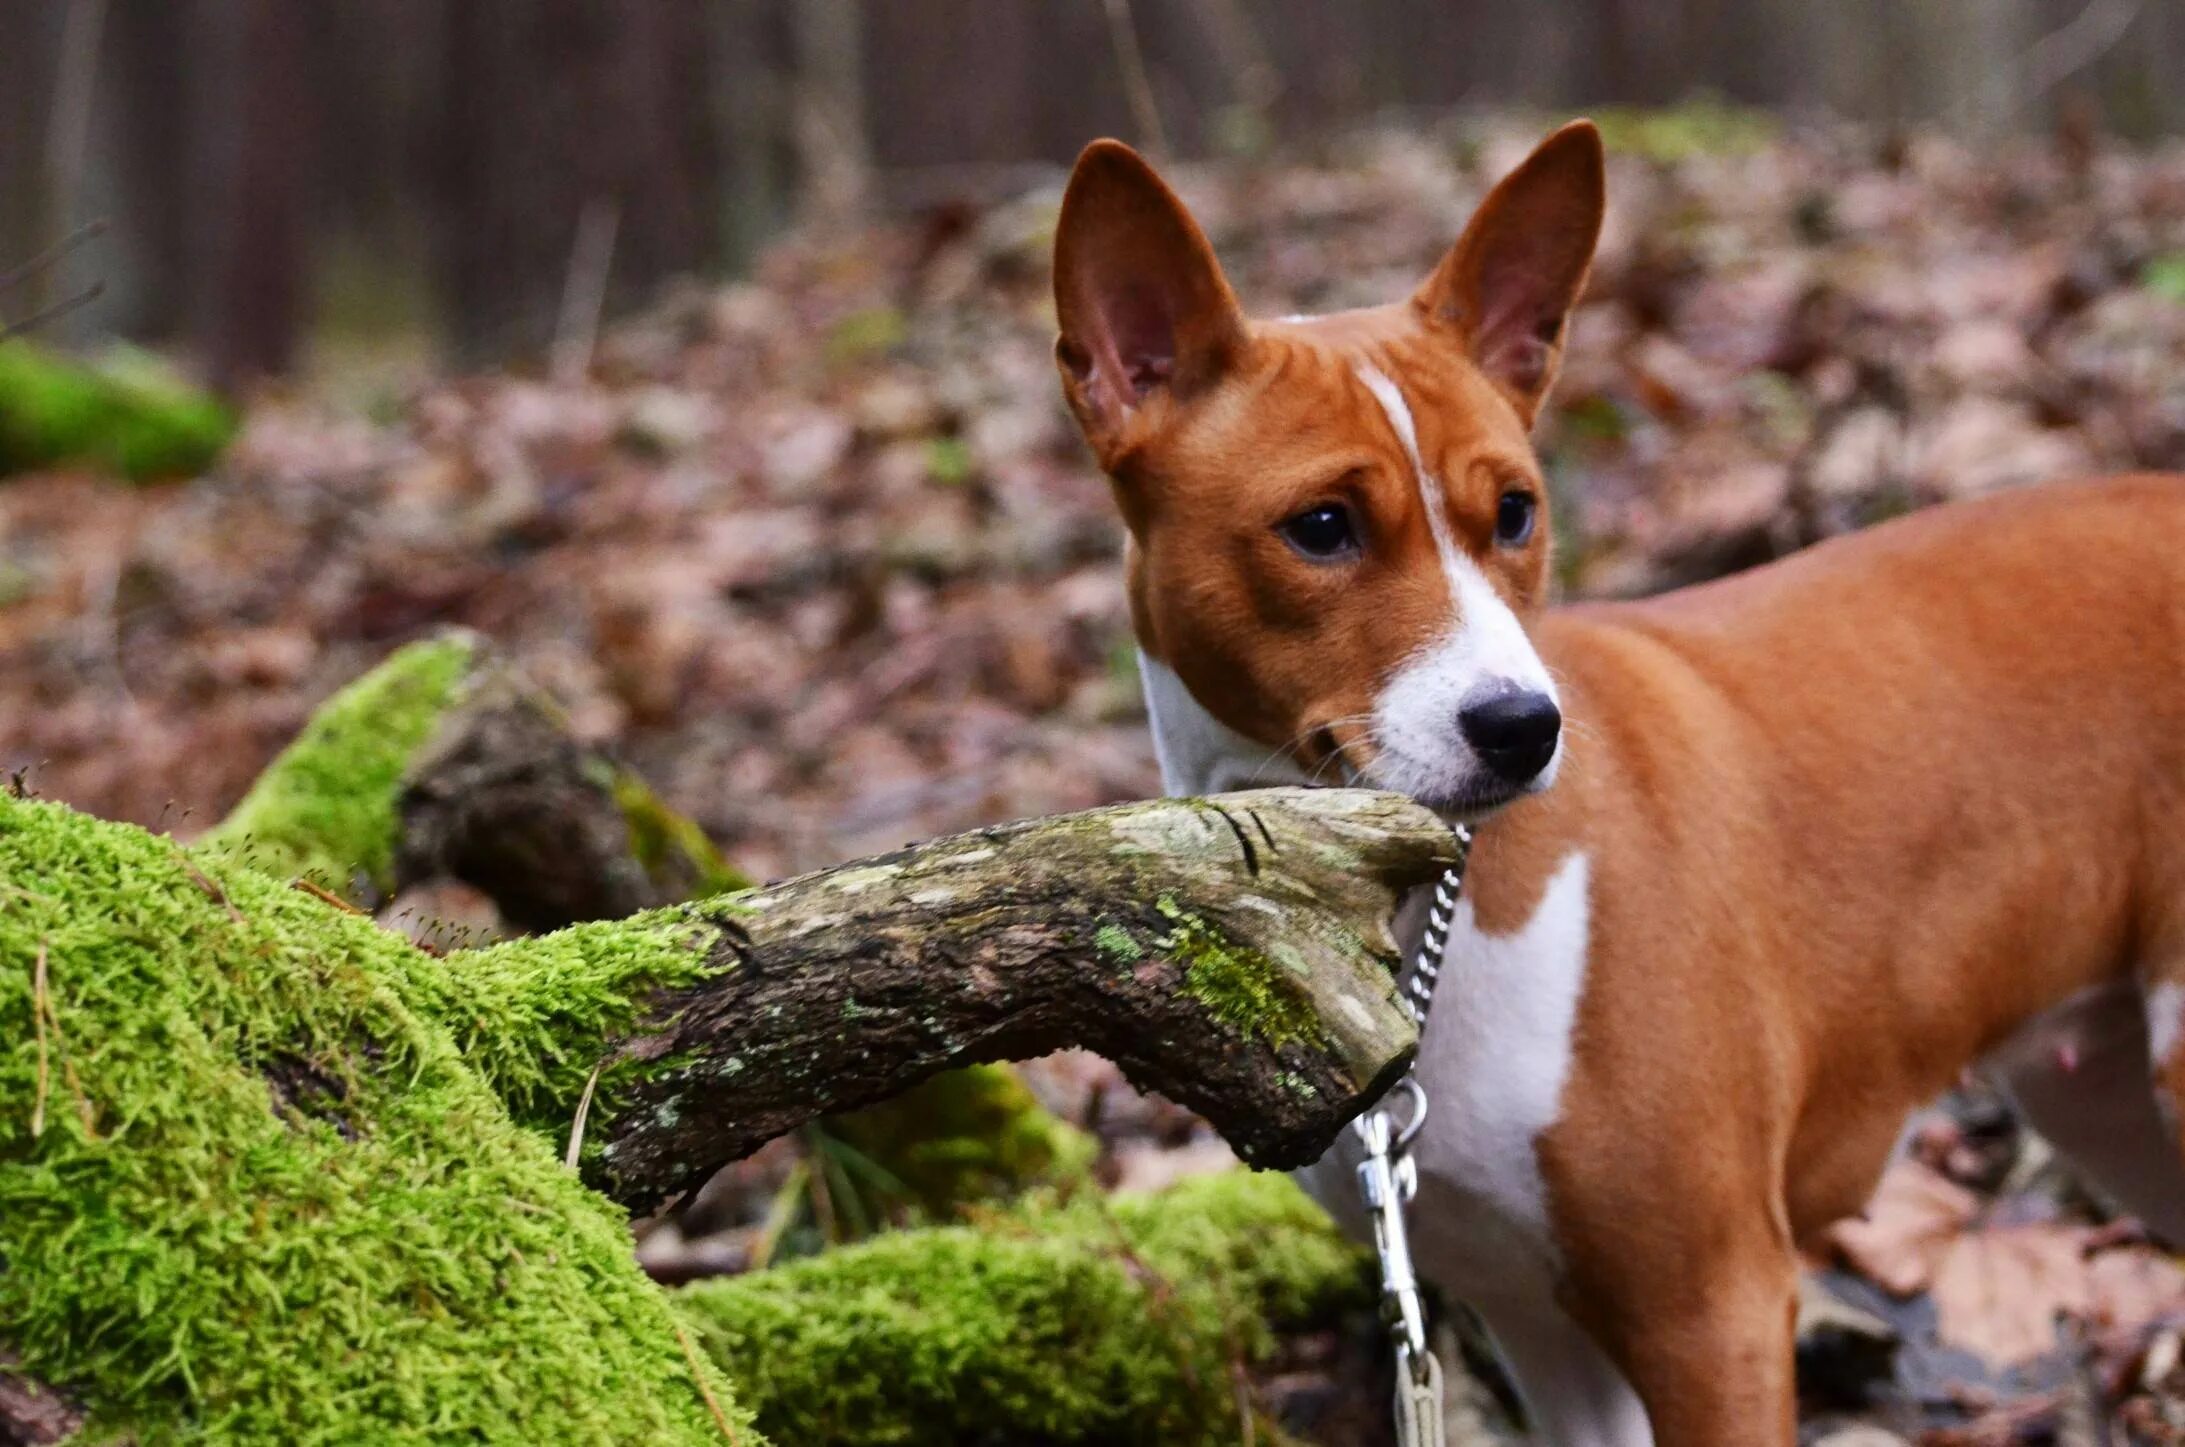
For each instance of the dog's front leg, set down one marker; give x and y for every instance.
(1711, 1355)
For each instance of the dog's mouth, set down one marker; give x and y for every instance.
(1474, 803)
(1335, 762)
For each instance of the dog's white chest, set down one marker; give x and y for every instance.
(1493, 1062)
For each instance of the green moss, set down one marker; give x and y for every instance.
(250, 1192)
(1704, 125)
(1245, 990)
(125, 415)
(1088, 1323)
(325, 809)
(949, 461)
(529, 1015)
(674, 852)
(961, 1137)
(864, 334)
(1117, 945)
(2164, 275)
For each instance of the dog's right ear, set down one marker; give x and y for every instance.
(1146, 314)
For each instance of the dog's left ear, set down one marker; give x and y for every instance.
(1508, 285)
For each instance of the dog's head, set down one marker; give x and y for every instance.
(1338, 525)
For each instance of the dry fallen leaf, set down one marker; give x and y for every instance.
(1999, 1291)
(1901, 1237)
(2134, 1288)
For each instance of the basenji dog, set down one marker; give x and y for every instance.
(1762, 865)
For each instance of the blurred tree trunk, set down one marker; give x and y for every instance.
(151, 93)
(29, 45)
(552, 105)
(752, 62)
(833, 149)
(256, 124)
(231, 141)
(922, 124)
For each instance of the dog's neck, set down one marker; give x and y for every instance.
(1199, 754)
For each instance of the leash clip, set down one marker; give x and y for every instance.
(1387, 1180)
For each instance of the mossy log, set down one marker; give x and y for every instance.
(1094, 1322)
(125, 415)
(259, 1176)
(1231, 954)
(251, 1192)
(445, 761)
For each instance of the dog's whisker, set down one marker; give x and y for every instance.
(1284, 752)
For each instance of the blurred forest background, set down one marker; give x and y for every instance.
(283, 175)
(698, 352)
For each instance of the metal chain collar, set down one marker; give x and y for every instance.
(1388, 1178)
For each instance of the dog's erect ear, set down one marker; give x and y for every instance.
(1143, 305)
(1509, 283)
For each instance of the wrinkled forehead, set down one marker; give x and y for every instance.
(1324, 394)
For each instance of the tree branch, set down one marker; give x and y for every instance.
(1233, 954)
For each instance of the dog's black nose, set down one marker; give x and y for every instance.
(1513, 733)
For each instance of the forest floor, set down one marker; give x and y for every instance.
(820, 554)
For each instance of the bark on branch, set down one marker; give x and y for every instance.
(1233, 954)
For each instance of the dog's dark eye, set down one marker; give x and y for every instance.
(1322, 533)
(1514, 518)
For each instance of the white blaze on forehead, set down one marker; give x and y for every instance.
(1391, 398)
(1423, 753)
